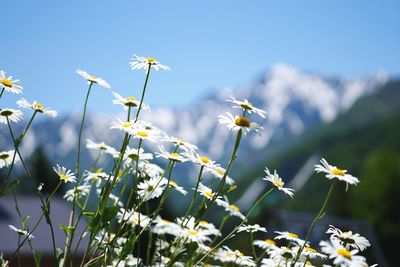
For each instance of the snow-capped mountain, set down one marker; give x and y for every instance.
(293, 100)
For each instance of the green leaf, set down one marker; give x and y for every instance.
(109, 214)
(67, 229)
(7, 188)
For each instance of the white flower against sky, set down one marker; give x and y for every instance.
(265, 244)
(162, 226)
(334, 172)
(102, 147)
(206, 192)
(219, 173)
(178, 188)
(133, 218)
(231, 208)
(95, 177)
(64, 174)
(289, 236)
(340, 255)
(252, 228)
(78, 192)
(6, 158)
(93, 79)
(247, 106)
(8, 84)
(348, 239)
(176, 157)
(200, 160)
(277, 182)
(127, 102)
(23, 103)
(236, 123)
(181, 143)
(152, 188)
(13, 115)
(138, 63)
(20, 231)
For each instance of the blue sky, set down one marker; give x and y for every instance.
(208, 45)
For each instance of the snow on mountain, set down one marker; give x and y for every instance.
(293, 99)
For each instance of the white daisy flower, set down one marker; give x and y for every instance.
(142, 131)
(277, 182)
(196, 233)
(152, 188)
(181, 143)
(8, 84)
(239, 123)
(127, 102)
(95, 177)
(13, 115)
(206, 192)
(93, 79)
(123, 125)
(131, 155)
(162, 227)
(335, 172)
(178, 188)
(175, 157)
(348, 239)
(219, 173)
(3, 262)
(152, 170)
(267, 262)
(309, 253)
(138, 63)
(36, 106)
(252, 228)
(340, 254)
(281, 254)
(64, 174)
(231, 208)
(247, 106)
(265, 244)
(20, 231)
(227, 255)
(289, 236)
(78, 192)
(6, 158)
(133, 218)
(102, 147)
(200, 160)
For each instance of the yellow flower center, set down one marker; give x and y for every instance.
(311, 250)
(192, 232)
(203, 223)
(234, 207)
(63, 176)
(130, 99)
(337, 171)
(270, 242)
(38, 106)
(166, 221)
(220, 172)
(92, 79)
(151, 60)
(142, 134)
(173, 183)
(175, 155)
(209, 194)
(345, 253)
(7, 82)
(127, 124)
(238, 253)
(135, 219)
(242, 122)
(278, 183)
(205, 160)
(293, 235)
(308, 263)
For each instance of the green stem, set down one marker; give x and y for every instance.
(237, 227)
(194, 195)
(143, 92)
(252, 245)
(2, 91)
(317, 218)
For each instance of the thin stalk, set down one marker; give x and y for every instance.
(143, 92)
(235, 229)
(317, 218)
(194, 195)
(252, 245)
(2, 91)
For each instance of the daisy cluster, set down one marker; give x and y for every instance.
(123, 205)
